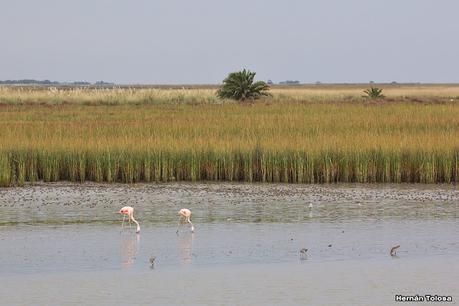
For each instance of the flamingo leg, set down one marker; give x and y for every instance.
(130, 217)
(178, 225)
(179, 222)
(122, 224)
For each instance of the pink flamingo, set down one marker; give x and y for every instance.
(129, 211)
(185, 215)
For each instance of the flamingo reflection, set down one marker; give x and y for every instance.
(129, 248)
(185, 248)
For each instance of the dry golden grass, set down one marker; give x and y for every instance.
(206, 94)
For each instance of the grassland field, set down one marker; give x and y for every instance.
(301, 134)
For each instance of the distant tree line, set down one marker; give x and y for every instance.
(48, 82)
(289, 82)
(29, 81)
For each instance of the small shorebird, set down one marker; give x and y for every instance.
(310, 206)
(303, 254)
(185, 215)
(129, 211)
(152, 262)
(393, 250)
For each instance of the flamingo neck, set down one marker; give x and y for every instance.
(192, 227)
(135, 221)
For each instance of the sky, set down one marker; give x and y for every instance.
(201, 41)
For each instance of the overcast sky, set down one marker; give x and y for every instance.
(200, 41)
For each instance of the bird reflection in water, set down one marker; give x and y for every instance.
(185, 247)
(129, 248)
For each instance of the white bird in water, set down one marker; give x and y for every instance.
(185, 215)
(311, 206)
(129, 211)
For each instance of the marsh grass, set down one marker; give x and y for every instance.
(312, 135)
(255, 166)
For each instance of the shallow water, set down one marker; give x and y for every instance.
(245, 249)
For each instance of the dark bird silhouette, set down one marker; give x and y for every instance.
(303, 254)
(152, 262)
(393, 250)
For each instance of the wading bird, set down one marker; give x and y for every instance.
(185, 215)
(152, 262)
(129, 211)
(393, 250)
(303, 254)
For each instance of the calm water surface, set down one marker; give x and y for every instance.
(63, 244)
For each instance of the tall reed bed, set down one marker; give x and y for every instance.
(268, 141)
(258, 165)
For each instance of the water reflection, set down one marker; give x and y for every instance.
(185, 242)
(129, 248)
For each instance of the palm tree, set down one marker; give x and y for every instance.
(373, 93)
(240, 86)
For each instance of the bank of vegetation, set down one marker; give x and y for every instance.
(298, 135)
